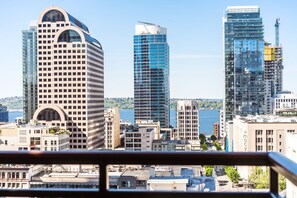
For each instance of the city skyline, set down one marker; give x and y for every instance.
(192, 56)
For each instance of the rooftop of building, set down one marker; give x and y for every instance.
(242, 9)
(266, 119)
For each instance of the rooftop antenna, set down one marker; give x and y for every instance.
(276, 25)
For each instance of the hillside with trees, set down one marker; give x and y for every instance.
(16, 103)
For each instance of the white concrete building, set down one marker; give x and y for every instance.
(261, 134)
(33, 137)
(70, 78)
(285, 104)
(291, 139)
(187, 120)
(112, 128)
(167, 184)
(222, 124)
(17, 176)
(140, 139)
(151, 124)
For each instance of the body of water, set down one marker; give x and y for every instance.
(206, 118)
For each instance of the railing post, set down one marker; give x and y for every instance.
(103, 178)
(273, 182)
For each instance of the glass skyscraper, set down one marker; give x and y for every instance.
(151, 74)
(29, 38)
(244, 61)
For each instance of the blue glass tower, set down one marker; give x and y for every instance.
(29, 38)
(151, 74)
(244, 61)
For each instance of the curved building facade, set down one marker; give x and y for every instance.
(70, 77)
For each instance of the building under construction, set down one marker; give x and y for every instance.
(273, 57)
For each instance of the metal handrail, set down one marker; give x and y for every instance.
(276, 162)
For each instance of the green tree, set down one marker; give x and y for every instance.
(218, 146)
(260, 179)
(208, 170)
(204, 147)
(213, 138)
(232, 173)
(202, 138)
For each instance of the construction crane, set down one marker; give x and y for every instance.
(276, 25)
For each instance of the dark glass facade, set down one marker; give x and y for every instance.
(3, 114)
(151, 78)
(244, 62)
(29, 38)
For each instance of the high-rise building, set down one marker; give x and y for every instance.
(70, 78)
(151, 74)
(187, 120)
(3, 113)
(244, 61)
(112, 128)
(29, 38)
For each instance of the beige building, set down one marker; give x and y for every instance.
(291, 150)
(70, 78)
(31, 137)
(112, 128)
(140, 139)
(151, 124)
(261, 134)
(187, 120)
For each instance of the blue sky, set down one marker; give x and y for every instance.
(195, 37)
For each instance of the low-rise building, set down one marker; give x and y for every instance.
(140, 139)
(32, 136)
(176, 145)
(151, 124)
(261, 134)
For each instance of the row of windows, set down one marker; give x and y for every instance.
(78, 141)
(44, 47)
(78, 146)
(63, 79)
(13, 175)
(67, 62)
(64, 68)
(69, 57)
(73, 45)
(69, 51)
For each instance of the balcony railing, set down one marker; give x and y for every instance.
(278, 165)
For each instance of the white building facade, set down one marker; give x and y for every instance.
(140, 139)
(187, 120)
(112, 128)
(70, 78)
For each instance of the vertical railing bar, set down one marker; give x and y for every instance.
(273, 181)
(103, 178)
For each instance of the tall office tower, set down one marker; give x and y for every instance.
(112, 128)
(70, 78)
(187, 120)
(29, 38)
(151, 74)
(244, 61)
(3, 113)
